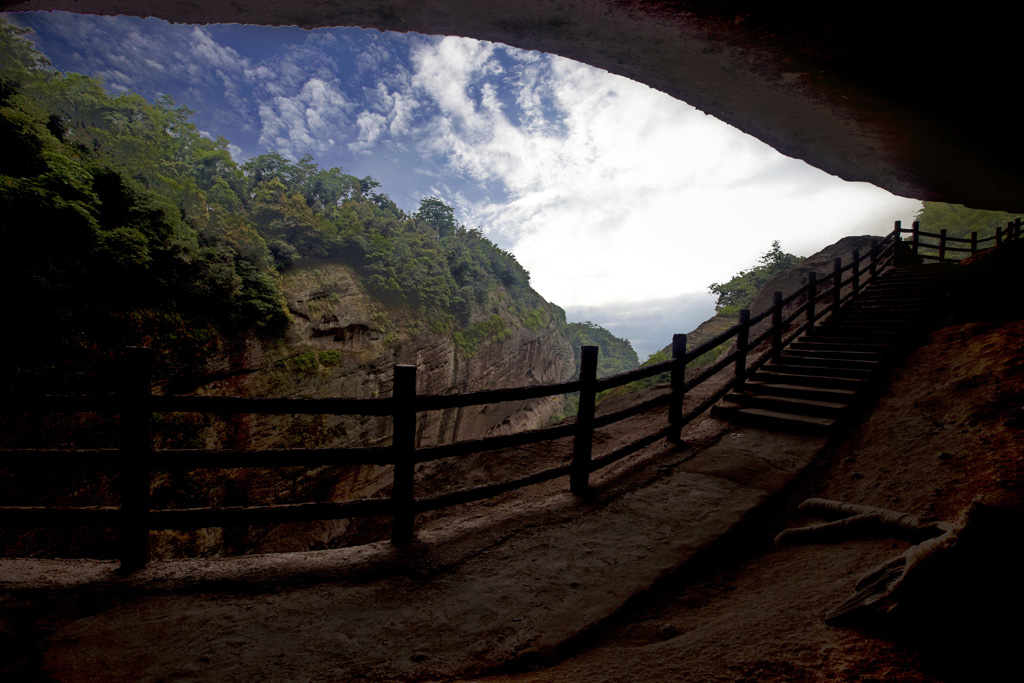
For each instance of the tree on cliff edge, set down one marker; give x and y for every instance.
(738, 292)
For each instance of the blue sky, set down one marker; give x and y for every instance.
(623, 203)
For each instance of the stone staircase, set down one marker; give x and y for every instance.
(821, 376)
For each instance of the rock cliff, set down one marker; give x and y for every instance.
(342, 342)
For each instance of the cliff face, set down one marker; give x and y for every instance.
(344, 343)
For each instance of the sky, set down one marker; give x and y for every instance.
(623, 203)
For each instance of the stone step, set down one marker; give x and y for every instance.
(906, 283)
(770, 419)
(834, 354)
(882, 319)
(874, 335)
(787, 404)
(774, 376)
(794, 367)
(886, 308)
(895, 292)
(890, 305)
(823, 373)
(900, 288)
(831, 395)
(888, 327)
(839, 347)
(881, 334)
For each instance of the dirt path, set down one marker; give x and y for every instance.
(950, 426)
(534, 587)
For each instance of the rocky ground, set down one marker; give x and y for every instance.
(948, 426)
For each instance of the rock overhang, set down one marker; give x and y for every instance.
(910, 101)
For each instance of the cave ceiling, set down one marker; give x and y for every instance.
(911, 99)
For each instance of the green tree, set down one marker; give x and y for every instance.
(437, 215)
(287, 218)
(739, 291)
(18, 57)
(264, 168)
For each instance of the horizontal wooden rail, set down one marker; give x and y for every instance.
(135, 403)
(475, 398)
(58, 516)
(485, 491)
(760, 316)
(621, 379)
(235, 405)
(639, 408)
(643, 442)
(492, 443)
(33, 459)
(184, 460)
(58, 404)
(202, 518)
(710, 371)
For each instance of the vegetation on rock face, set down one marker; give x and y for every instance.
(738, 292)
(129, 226)
(615, 354)
(959, 221)
(123, 222)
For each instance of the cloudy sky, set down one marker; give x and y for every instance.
(623, 203)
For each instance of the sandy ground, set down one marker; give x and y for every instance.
(637, 584)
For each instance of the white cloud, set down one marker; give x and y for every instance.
(370, 126)
(304, 122)
(619, 192)
(610, 193)
(211, 54)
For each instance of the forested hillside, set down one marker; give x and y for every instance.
(960, 221)
(123, 224)
(615, 355)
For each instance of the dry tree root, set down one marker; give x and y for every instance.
(972, 553)
(852, 521)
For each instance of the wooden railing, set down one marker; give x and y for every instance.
(136, 458)
(939, 247)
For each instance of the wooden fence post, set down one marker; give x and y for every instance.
(1016, 229)
(135, 449)
(837, 284)
(897, 232)
(999, 234)
(812, 294)
(403, 447)
(873, 262)
(942, 245)
(777, 327)
(915, 236)
(678, 385)
(856, 271)
(974, 243)
(582, 446)
(742, 339)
